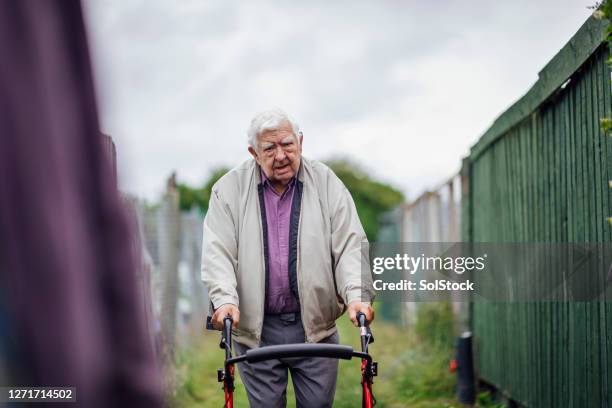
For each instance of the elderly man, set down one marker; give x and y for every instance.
(282, 257)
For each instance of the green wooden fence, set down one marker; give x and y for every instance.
(541, 174)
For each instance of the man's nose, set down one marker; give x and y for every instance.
(280, 154)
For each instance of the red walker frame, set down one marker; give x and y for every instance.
(369, 368)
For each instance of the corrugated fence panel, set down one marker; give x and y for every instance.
(541, 174)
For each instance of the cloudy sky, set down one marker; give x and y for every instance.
(403, 88)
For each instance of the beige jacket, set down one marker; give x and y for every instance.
(330, 238)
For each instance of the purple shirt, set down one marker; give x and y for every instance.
(280, 299)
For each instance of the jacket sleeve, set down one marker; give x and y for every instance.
(219, 252)
(349, 244)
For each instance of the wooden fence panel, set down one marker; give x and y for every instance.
(541, 174)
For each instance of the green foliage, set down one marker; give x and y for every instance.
(372, 198)
(410, 374)
(435, 324)
(428, 377)
(606, 9)
(603, 10)
(199, 197)
(485, 400)
(606, 125)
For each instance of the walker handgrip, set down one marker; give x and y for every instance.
(227, 332)
(299, 350)
(361, 319)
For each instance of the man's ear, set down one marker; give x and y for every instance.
(253, 153)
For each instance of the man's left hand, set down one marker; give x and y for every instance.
(364, 307)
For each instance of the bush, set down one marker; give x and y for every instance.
(434, 325)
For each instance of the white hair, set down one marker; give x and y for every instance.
(272, 119)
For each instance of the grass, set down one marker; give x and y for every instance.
(412, 371)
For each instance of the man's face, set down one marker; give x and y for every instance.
(278, 153)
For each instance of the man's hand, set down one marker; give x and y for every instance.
(224, 311)
(364, 307)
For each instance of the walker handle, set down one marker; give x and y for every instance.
(226, 334)
(361, 319)
(365, 329)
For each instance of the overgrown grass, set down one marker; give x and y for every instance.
(413, 368)
(486, 400)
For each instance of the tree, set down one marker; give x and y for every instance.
(198, 197)
(372, 198)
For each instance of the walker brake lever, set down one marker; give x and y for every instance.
(209, 323)
(369, 333)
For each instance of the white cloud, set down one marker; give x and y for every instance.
(405, 88)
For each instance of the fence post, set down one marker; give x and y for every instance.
(465, 315)
(145, 272)
(466, 201)
(192, 246)
(169, 241)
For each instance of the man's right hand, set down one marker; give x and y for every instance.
(224, 311)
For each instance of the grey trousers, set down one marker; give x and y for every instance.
(314, 379)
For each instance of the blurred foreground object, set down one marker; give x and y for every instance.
(466, 383)
(68, 293)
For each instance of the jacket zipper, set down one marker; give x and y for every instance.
(264, 288)
(297, 269)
